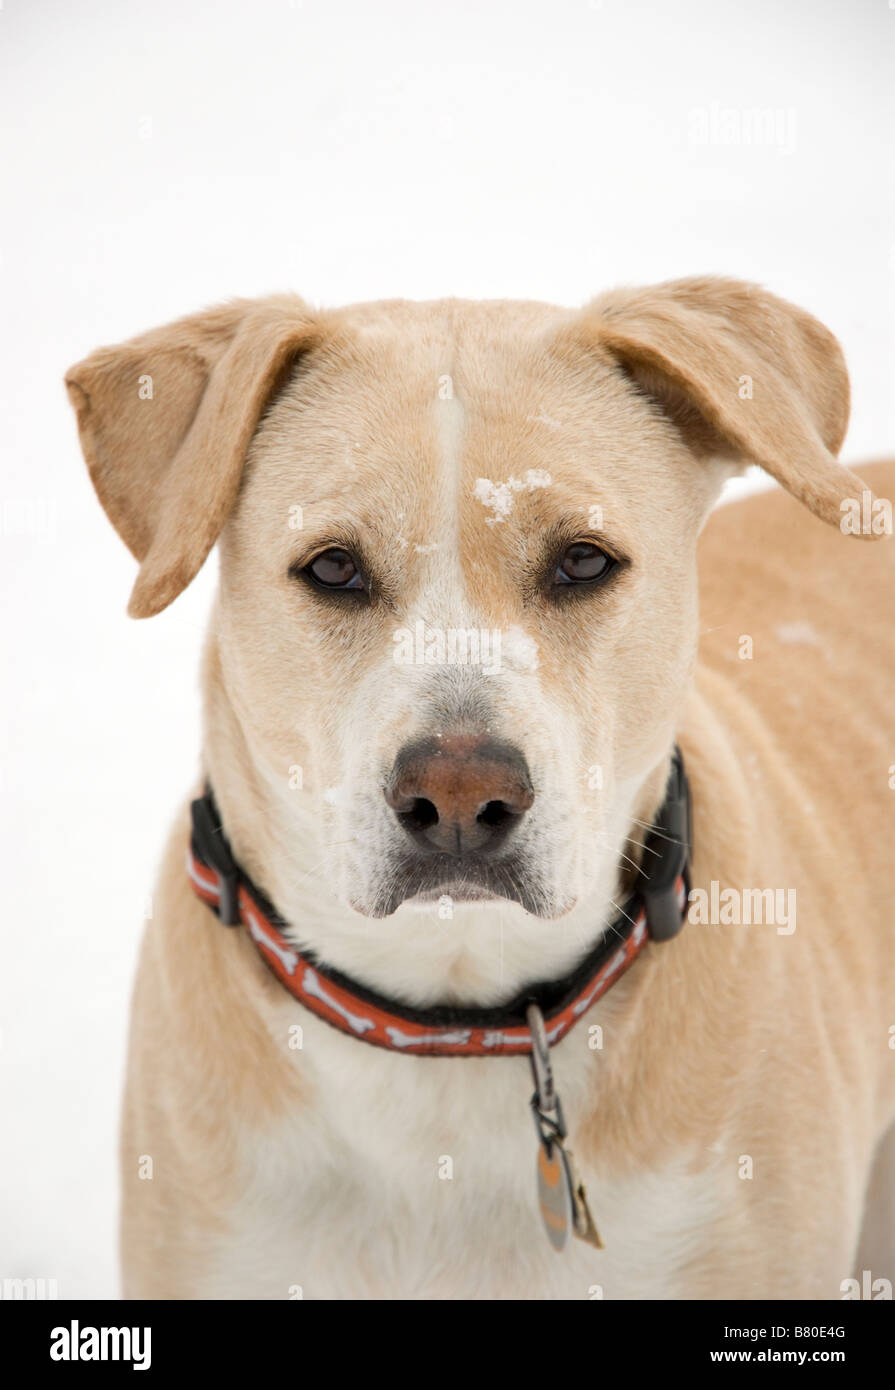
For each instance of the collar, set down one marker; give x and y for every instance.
(655, 910)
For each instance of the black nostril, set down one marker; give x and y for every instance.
(496, 814)
(421, 815)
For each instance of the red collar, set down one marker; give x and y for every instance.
(655, 910)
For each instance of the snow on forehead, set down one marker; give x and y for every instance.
(499, 497)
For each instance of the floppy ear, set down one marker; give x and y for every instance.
(165, 422)
(742, 374)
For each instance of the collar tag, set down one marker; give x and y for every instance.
(561, 1196)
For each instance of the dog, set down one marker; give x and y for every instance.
(454, 659)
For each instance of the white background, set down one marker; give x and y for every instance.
(159, 157)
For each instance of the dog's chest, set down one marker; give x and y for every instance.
(416, 1178)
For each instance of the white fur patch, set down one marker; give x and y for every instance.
(520, 650)
(393, 1187)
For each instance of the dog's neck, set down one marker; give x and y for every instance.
(483, 953)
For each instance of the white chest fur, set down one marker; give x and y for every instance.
(415, 1178)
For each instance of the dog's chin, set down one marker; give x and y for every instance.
(428, 883)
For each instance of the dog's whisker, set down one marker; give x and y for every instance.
(658, 833)
(639, 845)
(621, 912)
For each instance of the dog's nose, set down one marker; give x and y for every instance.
(459, 794)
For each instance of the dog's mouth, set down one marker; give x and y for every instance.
(458, 892)
(443, 880)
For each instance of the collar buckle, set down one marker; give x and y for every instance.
(666, 856)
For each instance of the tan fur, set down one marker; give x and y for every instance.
(276, 1168)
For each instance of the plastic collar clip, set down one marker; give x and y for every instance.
(666, 856)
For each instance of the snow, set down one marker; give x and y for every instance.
(499, 497)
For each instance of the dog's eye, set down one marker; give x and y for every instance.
(335, 569)
(582, 563)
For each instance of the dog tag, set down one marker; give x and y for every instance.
(555, 1193)
(584, 1222)
(561, 1196)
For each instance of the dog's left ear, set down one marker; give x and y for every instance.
(743, 375)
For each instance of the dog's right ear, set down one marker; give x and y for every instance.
(166, 421)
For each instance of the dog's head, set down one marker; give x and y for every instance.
(457, 606)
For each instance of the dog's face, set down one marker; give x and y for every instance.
(457, 611)
(473, 636)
